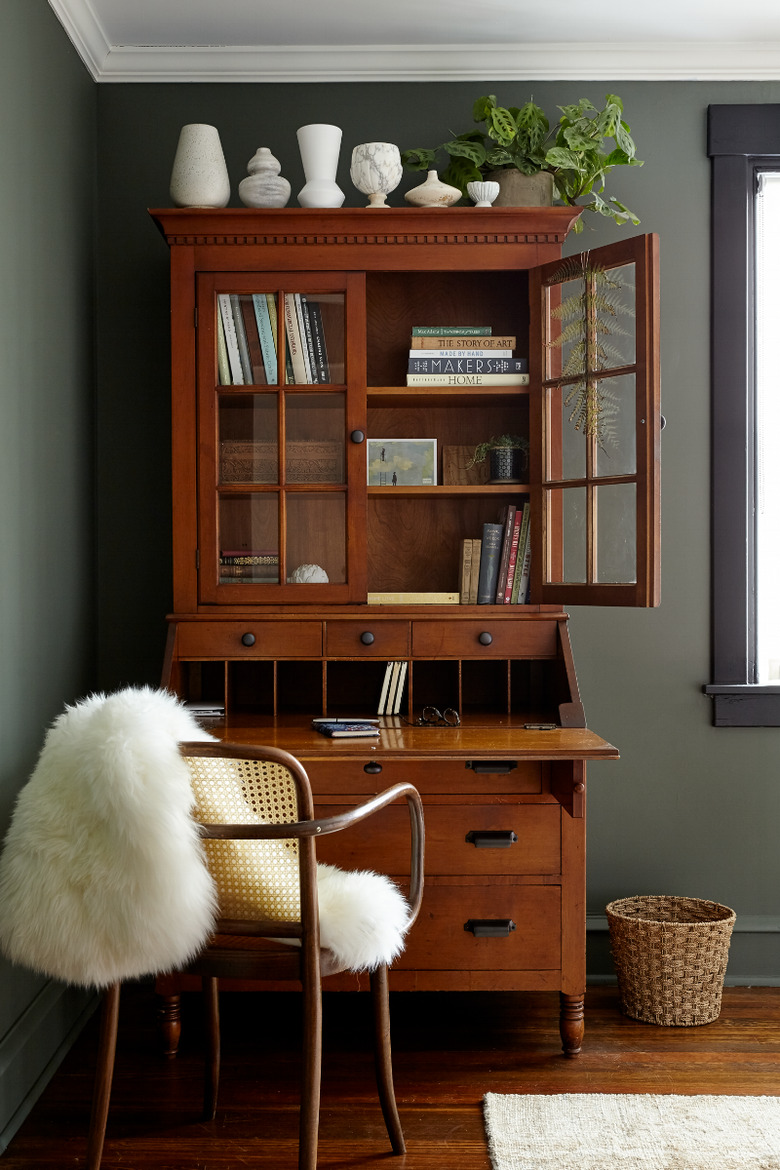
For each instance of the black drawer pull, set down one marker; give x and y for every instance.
(248, 639)
(491, 838)
(485, 638)
(491, 767)
(366, 637)
(490, 927)
(372, 769)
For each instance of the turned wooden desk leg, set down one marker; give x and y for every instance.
(572, 1023)
(169, 1016)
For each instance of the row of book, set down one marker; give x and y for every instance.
(463, 355)
(392, 690)
(496, 567)
(247, 340)
(249, 565)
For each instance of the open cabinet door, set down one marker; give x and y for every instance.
(595, 415)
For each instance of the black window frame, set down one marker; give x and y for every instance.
(742, 140)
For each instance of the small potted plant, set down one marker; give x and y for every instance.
(514, 140)
(507, 457)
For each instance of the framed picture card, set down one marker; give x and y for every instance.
(401, 462)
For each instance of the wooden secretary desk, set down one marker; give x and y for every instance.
(270, 474)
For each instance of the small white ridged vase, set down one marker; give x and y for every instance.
(319, 145)
(199, 177)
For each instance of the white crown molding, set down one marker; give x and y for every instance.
(86, 34)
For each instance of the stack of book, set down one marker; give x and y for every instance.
(346, 728)
(392, 689)
(463, 355)
(248, 565)
(495, 568)
(247, 332)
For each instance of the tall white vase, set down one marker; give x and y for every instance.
(319, 145)
(199, 177)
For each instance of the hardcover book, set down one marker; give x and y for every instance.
(467, 379)
(452, 330)
(467, 365)
(453, 341)
(489, 564)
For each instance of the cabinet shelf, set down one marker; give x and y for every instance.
(439, 491)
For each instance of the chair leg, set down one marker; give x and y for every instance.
(312, 1074)
(104, 1073)
(211, 1083)
(380, 999)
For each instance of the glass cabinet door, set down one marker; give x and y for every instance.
(277, 476)
(596, 418)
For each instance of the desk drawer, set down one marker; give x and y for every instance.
(508, 639)
(459, 839)
(429, 776)
(439, 942)
(388, 639)
(271, 639)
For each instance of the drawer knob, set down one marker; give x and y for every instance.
(372, 769)
(491, 767)
(247, 639)
(491, 838)
(357, 436)
(485, 638)
(366, 637)
(490, 927)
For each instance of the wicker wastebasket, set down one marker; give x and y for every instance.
(670, 955)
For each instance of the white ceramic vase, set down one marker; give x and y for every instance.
(199, 177)
(319, 145)
(433, 193)
(376, 170)
(264, 186)
(483, 193)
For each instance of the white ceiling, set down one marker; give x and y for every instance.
(422, 40)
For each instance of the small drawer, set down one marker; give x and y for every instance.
(370, 638)
(368, 774)
(485, 638)
(459, 839)
(438, 941)
(249, 639)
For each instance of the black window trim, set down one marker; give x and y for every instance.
(742, 139)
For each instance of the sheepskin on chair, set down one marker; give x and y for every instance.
(103, 875)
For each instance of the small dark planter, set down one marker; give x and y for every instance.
(507, 464)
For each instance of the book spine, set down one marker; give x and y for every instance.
(390, 705)
(293, 339)
(506, 545)
(525, 577)
(253, 342)
(318, 341)
(399, 690)
(467, 379)
(521, 547)
(231, 341)
(467, 365)
(223, 364)
(465, 570)
(476, 565)
(243, 346)
(302, 318)
(452, 330)
(454, 342)
(266, 335)
(381, 708)
(424, 354)
(488, 569)
(512, 567)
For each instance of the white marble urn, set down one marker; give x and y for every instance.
(376, 170)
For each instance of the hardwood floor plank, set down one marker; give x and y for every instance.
(449, 1049)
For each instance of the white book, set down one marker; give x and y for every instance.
(399, 690)
(382, 705)
(231, 339)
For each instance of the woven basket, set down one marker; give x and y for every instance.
(670, 955)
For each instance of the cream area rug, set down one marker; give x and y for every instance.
(633, 1131)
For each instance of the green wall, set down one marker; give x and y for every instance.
(47, 591)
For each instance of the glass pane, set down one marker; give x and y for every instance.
(248, 439)
(316, 537)
(592, 318)
(249, 539)
(246, 339)
(567, 513)
(316, 425)
(615, 511)
(570, 460)
(615, 452)
(314, 328)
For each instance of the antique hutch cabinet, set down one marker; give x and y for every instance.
(270, 445)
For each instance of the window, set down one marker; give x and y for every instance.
(744, 145)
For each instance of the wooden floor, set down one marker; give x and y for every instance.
(449, 1050)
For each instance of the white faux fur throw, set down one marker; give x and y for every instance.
(103, 875)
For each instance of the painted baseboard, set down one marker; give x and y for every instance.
(33, 1048)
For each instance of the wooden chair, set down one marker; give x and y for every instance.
(256, 814)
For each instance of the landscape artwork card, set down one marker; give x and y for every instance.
(401, 462)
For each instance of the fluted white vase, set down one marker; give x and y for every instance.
(319, 145)
(483, 193)
(199, 177)
(376, 170)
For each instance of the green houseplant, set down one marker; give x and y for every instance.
(574, 151)
(507, 455)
